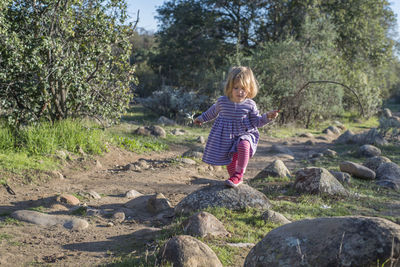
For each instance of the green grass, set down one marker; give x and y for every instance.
(139, 144)
(10, 221)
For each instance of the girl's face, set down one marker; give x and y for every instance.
(239, 93)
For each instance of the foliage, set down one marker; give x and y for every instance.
(347, 42)
(389, 127)
(191, 43)
(149, 80)
(63, 59)
(175, 103)
(285, 68)
(139, 144)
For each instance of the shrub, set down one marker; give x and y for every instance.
(175, 103)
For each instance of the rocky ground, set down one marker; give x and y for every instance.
(111, 176)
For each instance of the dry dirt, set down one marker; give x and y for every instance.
(26, 244)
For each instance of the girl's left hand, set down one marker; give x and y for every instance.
(197, 122)
(271, 115)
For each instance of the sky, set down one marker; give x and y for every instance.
(148, 12)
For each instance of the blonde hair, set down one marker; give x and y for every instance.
(243, 75)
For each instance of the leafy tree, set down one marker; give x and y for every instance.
(64, 59)
(294, 74)
(190, 43)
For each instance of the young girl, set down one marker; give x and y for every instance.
(234, 136)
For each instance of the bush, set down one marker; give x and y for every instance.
(176, 103)
(62, 59)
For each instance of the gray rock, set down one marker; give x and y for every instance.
(346, 138)
(219, 195)
(318, 181)
(187, 251)
(193, 154)
(330, 153)
(156, 131)
(395, 185)
(387, 113)
(372, 137)
(158, 203)
(201, 140)
(165, 121)
(281, 149)
(324, 138)
(178, 132)
(374, 162)
(335, 241)
(43, 219)
(339, 125)
(310, 143)
(333, 129)
(132, 194)
(94, 194)
(276, 169)
(316, 155)
(186, 161)
(204, 224)
(357, 170)
(342, 177)
(118, 216)
(388, 171)
(274, 217)
(283, 156)
(307, 135)
(369, 151)
(68, 199)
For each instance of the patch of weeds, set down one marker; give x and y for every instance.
(38, 209)
(80, 197)
(10, 221)
(81, 211)
(226, 254)
(4, 236)
(310, 206)
(139, 144)
(245, 226)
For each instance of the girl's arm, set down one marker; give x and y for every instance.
(208, 115)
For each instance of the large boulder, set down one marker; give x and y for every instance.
(388, 175)
(219, 195)
(342, 177)
(333, 129)
(346, 138)
(43, 219)
(369, 151)
(371, 137)
(336, 241)
(314, 180)
(374, 162)
(388, 171)
(204, 224)
(276, 169)
(187, 251)
(357, 170)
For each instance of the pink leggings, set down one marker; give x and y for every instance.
(240, 160)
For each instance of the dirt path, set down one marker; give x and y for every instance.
(27, 244)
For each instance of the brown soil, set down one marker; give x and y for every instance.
(27, 244)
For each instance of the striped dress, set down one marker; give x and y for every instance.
(234, 122)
